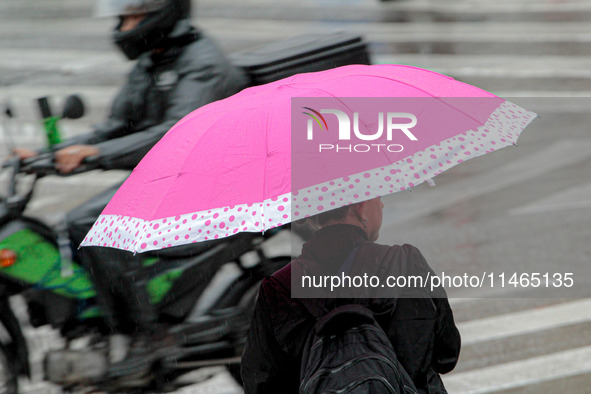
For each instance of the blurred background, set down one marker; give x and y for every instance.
(524, 209)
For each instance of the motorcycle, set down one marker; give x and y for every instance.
(208, 319)
(204, 293)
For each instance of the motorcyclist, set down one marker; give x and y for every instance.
(178, 69)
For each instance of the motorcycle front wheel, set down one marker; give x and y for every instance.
(8, 378)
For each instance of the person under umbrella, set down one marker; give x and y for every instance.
(421, 329)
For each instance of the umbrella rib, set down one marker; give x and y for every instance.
(339, 99)
(265, 169)
(176, 175)
(439, 98)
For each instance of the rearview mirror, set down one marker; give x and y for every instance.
(73, 107)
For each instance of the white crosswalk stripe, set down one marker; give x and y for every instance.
(525, 322)
(512, 173)
(576, 197)
(520, 374)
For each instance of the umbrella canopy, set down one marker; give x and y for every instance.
(299, 146)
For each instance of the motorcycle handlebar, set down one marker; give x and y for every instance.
(10, 162)
(44, 164)
(40, 166)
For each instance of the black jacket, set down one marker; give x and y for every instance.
(422, 330)
(160, 90)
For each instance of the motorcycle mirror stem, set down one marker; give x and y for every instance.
(49, 122)
(7, 128)
(14, 164)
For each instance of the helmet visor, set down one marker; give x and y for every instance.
(109, 8)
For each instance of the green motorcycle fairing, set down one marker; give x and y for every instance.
(39, 265)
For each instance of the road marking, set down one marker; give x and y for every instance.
(96, 178)
(552, 207)
(221, 382)
(576, 197)
(66, 60)
(525, 322)
(521, 373)
(530, 166)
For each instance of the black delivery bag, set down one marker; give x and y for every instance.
(301, 54)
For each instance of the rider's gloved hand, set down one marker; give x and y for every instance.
(23, 154)
(70, 158)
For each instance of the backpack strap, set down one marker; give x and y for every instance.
(343, 317)
(320, 307)
(349, 260)
(370, 259)
(283, 276)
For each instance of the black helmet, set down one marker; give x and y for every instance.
(151, 33)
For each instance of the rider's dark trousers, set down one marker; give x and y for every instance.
(120, 286)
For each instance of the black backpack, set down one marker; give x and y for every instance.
(348, 352)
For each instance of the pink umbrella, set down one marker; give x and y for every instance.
(299, 146)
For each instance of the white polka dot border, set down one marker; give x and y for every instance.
(139, 235)
(501, 129)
